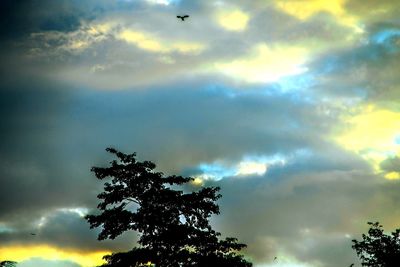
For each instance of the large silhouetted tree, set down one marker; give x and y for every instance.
(378, 249)
(173, 225)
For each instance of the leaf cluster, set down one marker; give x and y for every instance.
(378, 249)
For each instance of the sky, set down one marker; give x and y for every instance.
(292, 107)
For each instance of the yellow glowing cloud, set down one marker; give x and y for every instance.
(266, 64)
(303, 9)
(186, 48)
(198, 181)
(233, 20)
(306, 8)
(372, 133)
(392, 176)
(83, 38)
(78, 44)
(21, 253)
(251, 167)
(142, 40)
(101, 28)
(151, 43)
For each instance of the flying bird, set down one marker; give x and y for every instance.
(33, 234)
(275, 258)
(182, 17)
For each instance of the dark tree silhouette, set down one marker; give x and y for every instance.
(378, 249)
(8, 264)
(174, 226)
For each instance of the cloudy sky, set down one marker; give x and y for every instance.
(291, 106)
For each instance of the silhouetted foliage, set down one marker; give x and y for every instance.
(174, 226)
(377, 248)
(8, 264)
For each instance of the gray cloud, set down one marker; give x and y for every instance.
(34, 262)
(81, 57)
(34, 165)
(366, 72)
(65, 229)
(311, 214)
(372, 12)
(55, 126)
(20, 18)
(391, 164)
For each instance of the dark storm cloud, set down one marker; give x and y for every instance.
(44, 38)
(65, 229)
(208, 121)
(32, 151)
(52, 132)
(51, 139)
(309, 213)
(368, 71)
(52, 136)
(22, 17)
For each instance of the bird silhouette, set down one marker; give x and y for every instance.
(275, 258)
(33, 234)
(182, 17)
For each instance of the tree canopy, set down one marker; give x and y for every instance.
(173, 225)
(378, 249)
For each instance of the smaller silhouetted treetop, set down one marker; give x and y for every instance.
(8, 264)
(173, 225)
(378, 249)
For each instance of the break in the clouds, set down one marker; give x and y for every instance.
(292, 107)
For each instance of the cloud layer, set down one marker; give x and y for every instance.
(292, 108)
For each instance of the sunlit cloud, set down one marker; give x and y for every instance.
(93, 33)
(248, 166)
(215, 171)
(82, 212)
(22, 253)
(159, 2)
(392, 175)
(150, 43)
(233, 20)
(43, 220)
(52, 43)
(303, 10)
(100, 28)
(251, 167)
(372, 133)
(266, 64)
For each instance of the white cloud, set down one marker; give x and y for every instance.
(248, 166)
(265, 64)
